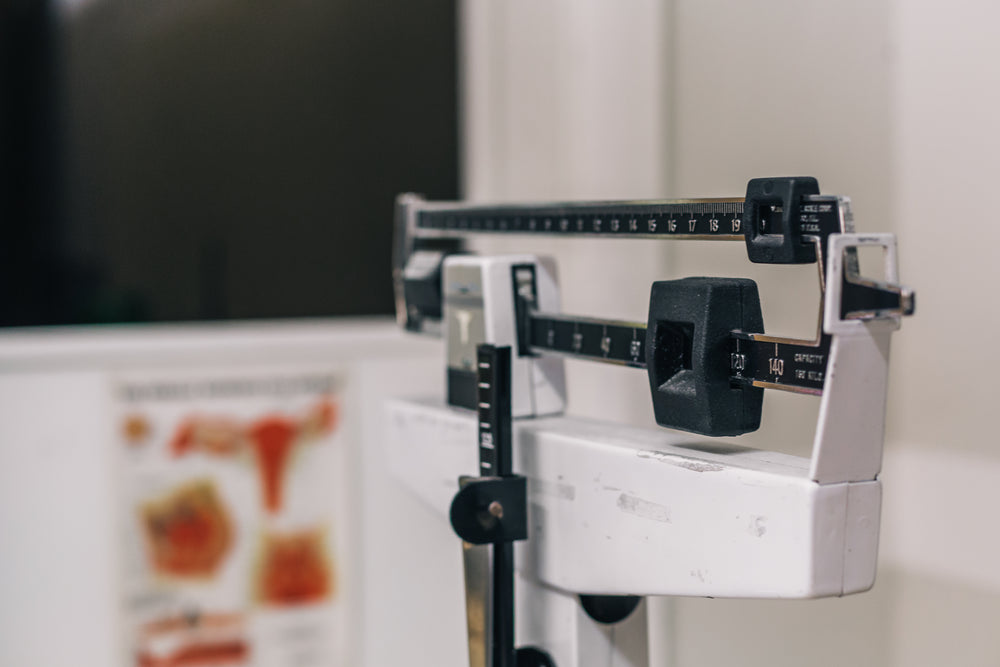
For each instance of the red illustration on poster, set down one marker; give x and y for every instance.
(231, 533)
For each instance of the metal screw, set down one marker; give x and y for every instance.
(495, 509)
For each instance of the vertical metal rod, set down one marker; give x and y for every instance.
(493, 378)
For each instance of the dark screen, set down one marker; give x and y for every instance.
(191, 160)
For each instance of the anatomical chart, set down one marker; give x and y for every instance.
(233, 498)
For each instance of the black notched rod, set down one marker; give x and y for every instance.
(797, 366)
(492, 510)
(773, 218)
(494, 411)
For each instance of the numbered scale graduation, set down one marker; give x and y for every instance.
(570, 522)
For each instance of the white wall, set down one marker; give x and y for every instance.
(890, 102)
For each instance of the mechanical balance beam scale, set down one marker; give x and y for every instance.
(703, 346)
(616, 510)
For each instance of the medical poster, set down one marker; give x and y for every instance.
(233, 493)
